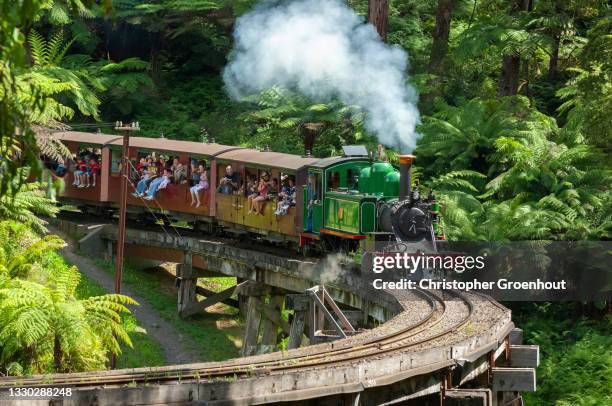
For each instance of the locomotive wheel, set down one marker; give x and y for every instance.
(307, 250)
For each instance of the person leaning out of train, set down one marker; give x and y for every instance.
(229, 182)
(144, 181)
(286, 198)
(202, 185)
(263, 187)
(157, 184)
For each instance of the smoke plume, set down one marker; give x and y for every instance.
(324, 50)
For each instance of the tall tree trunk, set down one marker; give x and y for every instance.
(509, 80)
(554, 57)
(157, 42)
(378, 16)
(511, 64)
(440, 35)
(525, 74)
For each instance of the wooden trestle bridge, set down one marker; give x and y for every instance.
(349, 344)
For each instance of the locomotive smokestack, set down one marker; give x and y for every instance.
(405, 175)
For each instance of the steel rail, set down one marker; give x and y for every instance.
(381, 345)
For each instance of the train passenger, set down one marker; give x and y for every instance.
(202, 185)
(141, 165)
(158, 183)
(229, 183)
(167, 163)
(142, 184)
(79, 173)
(153, 166)
(286, 197)
(179, 172)
(257, 203)
(195, 174)
(60, 170)
(251, 189)
(273, 189)
(92, 172)
(161, 165)
(311, 195)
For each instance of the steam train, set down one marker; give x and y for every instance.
(340, 201)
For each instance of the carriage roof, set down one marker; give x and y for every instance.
(268, 159)
(157, 144)
(246, 156)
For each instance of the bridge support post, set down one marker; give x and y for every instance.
(270, 327)
(242, 301)
(300, 303)
(251, 330)
(187, 282)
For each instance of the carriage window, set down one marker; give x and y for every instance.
(115, 160)
(85, 167)
(333, 180)
(314, 179)
(352, 179)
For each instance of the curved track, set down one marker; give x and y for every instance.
(426, 335)
(443, 321)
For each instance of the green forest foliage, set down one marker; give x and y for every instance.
(516, 124)
(541, 143)
(44, 327)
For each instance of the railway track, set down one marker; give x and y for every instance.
(443, 319)
(425, 334)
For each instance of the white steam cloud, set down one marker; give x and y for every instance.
(324, 50)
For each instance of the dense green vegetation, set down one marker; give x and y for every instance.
(515, 95)
(576, 364)
(45, 325)
(515, 100)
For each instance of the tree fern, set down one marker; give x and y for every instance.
(44, 327)
(25, 204)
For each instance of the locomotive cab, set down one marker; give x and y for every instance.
(356, 197)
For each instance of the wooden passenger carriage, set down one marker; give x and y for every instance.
(229, 211)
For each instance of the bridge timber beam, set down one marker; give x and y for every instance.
(225, 259)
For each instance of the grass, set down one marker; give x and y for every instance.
(216, 334)
(146, 352)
